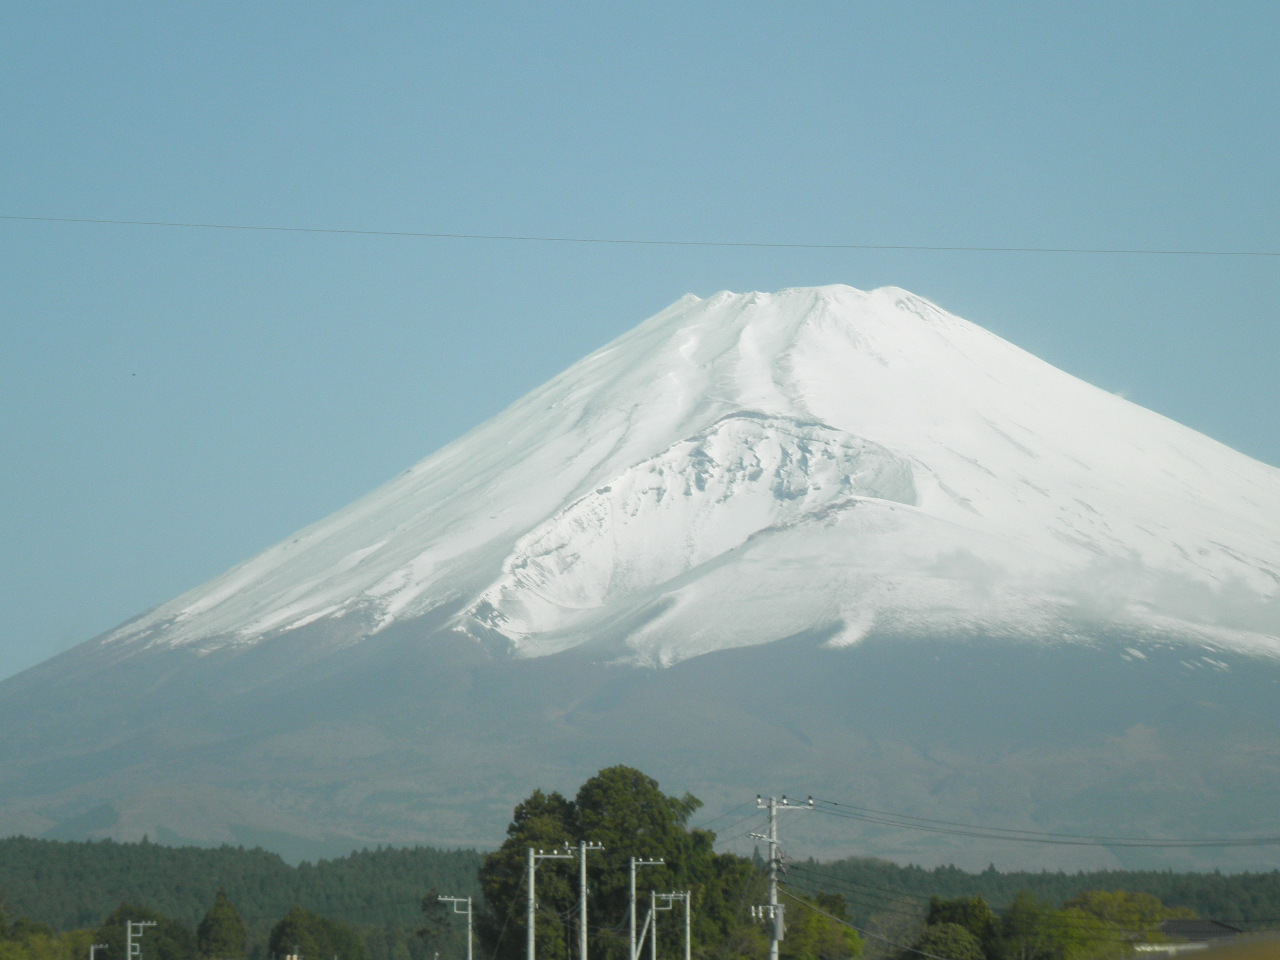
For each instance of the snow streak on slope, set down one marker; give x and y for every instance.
(744, 468)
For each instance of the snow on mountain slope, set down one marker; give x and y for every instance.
(747, 467)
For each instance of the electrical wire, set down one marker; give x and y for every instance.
(1056, 924)
(892, 901)
(865, 933)
(862, 889)
(753, 818)
(732, 811)
(629, 241)
(905, 822)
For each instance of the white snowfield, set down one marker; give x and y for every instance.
(750, 467)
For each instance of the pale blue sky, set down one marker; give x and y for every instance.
(175, 400)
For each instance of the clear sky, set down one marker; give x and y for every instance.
(175, 399)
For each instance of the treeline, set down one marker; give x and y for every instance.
(1097, 925)
(59, 893)
(222, 935)
(74, 884)
(232, 903)
(872, 888)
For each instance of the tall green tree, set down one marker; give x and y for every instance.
(435, 917)
(1137, 915)
(313, 937)
(947, 939)
(1030, 930)
(542, 821)
(625, 811)
(221, 934)
(972, 913)
(167, 940)
(820, 931)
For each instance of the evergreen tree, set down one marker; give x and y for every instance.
(625, 811)
(313, 937)
(819, 934)
(972, 913)
(1029, 931)
(167, 940)
(947, 939)
(221, 934)
(435, 921)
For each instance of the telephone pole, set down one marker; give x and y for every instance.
(636, 862)
(534, 857)
(583, 847)
(687, 897)
(455, 901)
(133, 951)
(774, 910)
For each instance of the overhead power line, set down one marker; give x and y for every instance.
(865, 933)
(732, 811)
(905, 822)
(633, 241)
(848, 890)
(803, 869)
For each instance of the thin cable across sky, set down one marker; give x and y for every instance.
(633, 241)
(903, 821)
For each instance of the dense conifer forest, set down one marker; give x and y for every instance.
(69, 884)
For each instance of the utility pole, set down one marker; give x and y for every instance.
(688, 937)
(654, 897)
(687, 897)
(774, 910)
(133, 951)
(94, 947)
(534, 857)
(636, 862)
(583, 847)
(455, 901)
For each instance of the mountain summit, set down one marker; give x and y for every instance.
(876, 552)
(749, 467)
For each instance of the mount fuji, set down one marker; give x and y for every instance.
(824, 540)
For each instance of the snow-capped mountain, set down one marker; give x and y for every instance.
(876, 552)
(743, 468)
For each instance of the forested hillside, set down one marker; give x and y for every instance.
(70, 884)
(875, 888)
(73, 884)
